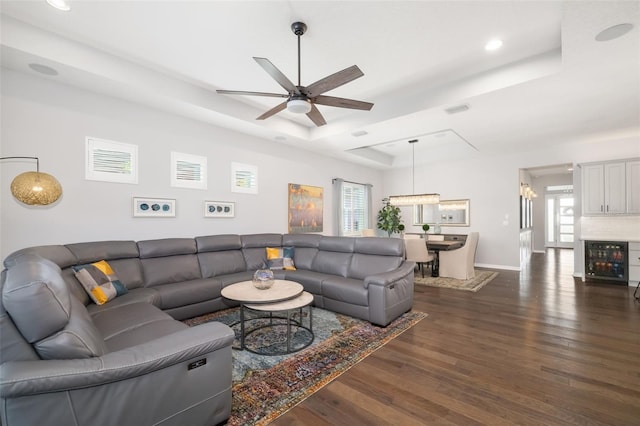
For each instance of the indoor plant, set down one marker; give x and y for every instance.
(389, 218)
(425, 227)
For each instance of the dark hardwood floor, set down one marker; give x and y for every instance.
(535, 347)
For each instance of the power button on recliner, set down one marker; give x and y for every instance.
(196, 364)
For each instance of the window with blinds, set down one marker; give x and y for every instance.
(244, 178)
(354, 208)
(111, 161)
(188, 171)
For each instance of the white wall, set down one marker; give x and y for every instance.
(44, 119)
(491, 182)
(51, 121)
(493, 193)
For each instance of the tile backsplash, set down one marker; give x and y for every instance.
(626, 228)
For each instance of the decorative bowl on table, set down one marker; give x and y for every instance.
(263, 279)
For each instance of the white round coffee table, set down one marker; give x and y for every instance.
(283, 297)
(246, 292)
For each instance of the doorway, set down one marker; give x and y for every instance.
(559, 229)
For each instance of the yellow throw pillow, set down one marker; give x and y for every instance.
(99, 281)
(281, 258)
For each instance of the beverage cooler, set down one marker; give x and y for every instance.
(606, 260)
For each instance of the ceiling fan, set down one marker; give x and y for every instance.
(303, 99)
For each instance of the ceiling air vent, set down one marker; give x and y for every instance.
(456, 109)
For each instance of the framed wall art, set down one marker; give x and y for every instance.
(154, 207)
(244, 178)
(305, 208)
(219, 209)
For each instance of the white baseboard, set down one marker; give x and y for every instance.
(491, 266)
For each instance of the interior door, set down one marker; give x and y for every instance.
(559, 220)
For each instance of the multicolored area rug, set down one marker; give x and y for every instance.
(481, 279)
(267, 386)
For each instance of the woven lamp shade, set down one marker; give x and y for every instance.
(36, 188)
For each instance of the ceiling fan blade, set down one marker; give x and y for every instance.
(242, 92)
(277, 75)
(316, 117)
(342, 102)
(333, 81)
(273, 111)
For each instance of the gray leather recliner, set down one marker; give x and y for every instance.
(61, 366)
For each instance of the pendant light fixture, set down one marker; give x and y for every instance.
(410, 200)
(35, 188)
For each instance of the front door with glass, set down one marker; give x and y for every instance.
(559, 220)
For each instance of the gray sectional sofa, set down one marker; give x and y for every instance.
(66, 360)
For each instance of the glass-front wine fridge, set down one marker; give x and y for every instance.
(606, 260)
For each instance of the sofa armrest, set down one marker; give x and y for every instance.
(21, 378)
(388, 278)
(390, 294)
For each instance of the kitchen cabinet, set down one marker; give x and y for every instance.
(633, 187)
(609, 189)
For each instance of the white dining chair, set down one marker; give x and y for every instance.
(459, 263)
(416, 251)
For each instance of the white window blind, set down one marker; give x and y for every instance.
(244, 178)
(188, 171)
(111, 161)
(354, 208)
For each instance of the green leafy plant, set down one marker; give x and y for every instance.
(425, 227)
(401, 227)
(389, 218)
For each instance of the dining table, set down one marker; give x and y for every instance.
(436, 247)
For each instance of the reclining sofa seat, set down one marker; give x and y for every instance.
(130, 364)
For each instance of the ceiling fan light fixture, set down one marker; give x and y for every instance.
(299, 106)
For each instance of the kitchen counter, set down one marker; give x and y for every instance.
(606, 238)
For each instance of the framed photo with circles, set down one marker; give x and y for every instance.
(154, 207)
(219, 209)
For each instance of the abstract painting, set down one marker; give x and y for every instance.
(305, 208)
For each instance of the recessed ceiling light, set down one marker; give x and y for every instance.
(493, 44)
(43, 69)
(60, 5)
(614, 32)
(359, 133)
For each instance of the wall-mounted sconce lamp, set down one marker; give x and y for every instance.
(35, 188)
(526, 191)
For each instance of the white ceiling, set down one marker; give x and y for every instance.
(550, 84)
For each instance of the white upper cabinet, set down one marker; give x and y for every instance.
(611, 188)
(593, 189)
(633, 187)
(615, 192)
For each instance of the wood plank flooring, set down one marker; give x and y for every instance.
(535, 347)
